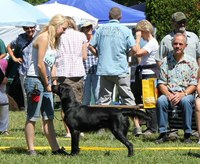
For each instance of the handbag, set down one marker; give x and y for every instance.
(149, 92)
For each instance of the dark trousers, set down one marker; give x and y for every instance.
(15, 91)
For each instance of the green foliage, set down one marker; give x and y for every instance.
(129, 2)
(36, 2)
(159, 12)
(123, 2)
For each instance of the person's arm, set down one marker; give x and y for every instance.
(179, 95)
(198, 88)
(53, 75)
(198, 50)
(190, 90)
(138, 36)
(93, 50)
(198, 85)
(164, 90)
(163, 81)
(136, 47)
(198, 61)
(141, 52)
(5, 81)
(147, 48)
(42, 45)
(2, 49)
(173, 97)
(84, 51)
(2, 56)
(11, 53)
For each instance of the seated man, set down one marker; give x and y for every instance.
(197, 105)
(177, 83)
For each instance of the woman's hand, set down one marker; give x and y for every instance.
(18, 60)
(48, 88)
(5, 81)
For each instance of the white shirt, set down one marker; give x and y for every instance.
(151, 47)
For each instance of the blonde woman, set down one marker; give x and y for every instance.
(147, 69)
(38, 84)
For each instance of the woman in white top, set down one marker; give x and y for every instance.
(38, 84)
(146, 69)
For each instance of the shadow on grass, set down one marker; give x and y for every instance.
(21, 151)
(22, 130)
(17, 129)
(192, 154)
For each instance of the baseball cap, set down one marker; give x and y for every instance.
(86, 24)
(3, 65)
(178, 16)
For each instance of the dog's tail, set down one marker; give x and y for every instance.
(135, 113)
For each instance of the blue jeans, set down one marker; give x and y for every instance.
(91, 86)
(44, 107)
(186, 105)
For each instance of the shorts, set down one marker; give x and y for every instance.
(44, 107)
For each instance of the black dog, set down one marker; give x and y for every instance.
(84, 118)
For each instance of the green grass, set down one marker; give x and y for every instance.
(16, 147)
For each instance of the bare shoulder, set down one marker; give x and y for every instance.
(42, 39)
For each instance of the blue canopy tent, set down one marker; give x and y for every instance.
(100, 10)
(140, 7)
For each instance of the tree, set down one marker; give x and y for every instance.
(36, 2)
(159, 12)
(123, 2)
(129, 2)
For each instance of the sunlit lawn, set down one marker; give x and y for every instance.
(95, 148)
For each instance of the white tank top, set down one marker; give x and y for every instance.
(49, 60)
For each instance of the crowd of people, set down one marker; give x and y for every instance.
(95, 63)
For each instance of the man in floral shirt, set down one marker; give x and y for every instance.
(177, 83)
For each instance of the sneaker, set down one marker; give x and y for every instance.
(60, 152)
(137, 131)
(195, 133)
(4, 133)
(173, 135)
(162, 138)
(198, 142)
(187, 138)
(187, 141)
(32, 152)
(68, 135)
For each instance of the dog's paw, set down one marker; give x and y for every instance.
(73, 154)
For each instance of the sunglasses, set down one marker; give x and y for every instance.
(181, 22)
(87, 27)
(27, 28)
